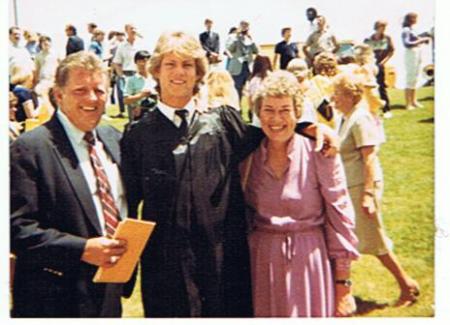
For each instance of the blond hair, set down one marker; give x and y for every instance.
(349, 84)
(21, 76)
(325, 64)
(221, 90)
(279, 84)
(79, 60)
(182, 44)
(298, 67)
(364, 54)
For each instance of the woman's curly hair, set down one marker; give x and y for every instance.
(278, 84)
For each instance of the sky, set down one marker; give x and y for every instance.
(348, 19)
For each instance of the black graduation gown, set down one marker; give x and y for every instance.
(196, 263)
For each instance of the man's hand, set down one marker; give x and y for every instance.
(103, 251)
(327, 141)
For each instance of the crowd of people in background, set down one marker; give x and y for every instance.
(240, 55)
(252, 219)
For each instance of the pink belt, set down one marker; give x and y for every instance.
(288, 246)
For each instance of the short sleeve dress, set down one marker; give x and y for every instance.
(357, 131)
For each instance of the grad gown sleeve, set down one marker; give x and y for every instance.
(131, 169)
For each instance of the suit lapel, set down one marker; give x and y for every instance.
(110, 144)
(69, 161)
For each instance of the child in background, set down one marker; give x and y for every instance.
(140, 89)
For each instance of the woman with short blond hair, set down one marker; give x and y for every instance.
(360, 139)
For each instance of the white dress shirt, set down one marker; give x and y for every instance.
(112, 171)
(20, 57)
(125, 54)
(169, 112)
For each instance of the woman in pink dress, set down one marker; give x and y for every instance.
(302, 240)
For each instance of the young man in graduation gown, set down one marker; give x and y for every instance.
(182, 162)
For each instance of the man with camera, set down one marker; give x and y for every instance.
(139, 90)
(242, 49)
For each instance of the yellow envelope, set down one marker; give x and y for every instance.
(136, 233)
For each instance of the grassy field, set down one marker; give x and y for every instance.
(408, 208)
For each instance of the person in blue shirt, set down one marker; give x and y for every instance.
(96, 45)
(140, 88)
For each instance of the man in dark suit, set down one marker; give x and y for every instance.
(210, 43)
(74, 42)
(66, 200)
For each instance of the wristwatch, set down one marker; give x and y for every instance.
(345, 283)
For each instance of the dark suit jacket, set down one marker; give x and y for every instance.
(52, 216)
(74, 44)
(210, 43)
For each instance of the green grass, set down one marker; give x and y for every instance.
(408, 210)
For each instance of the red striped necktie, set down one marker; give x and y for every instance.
(109, 208)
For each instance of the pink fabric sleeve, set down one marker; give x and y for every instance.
(340, 216)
